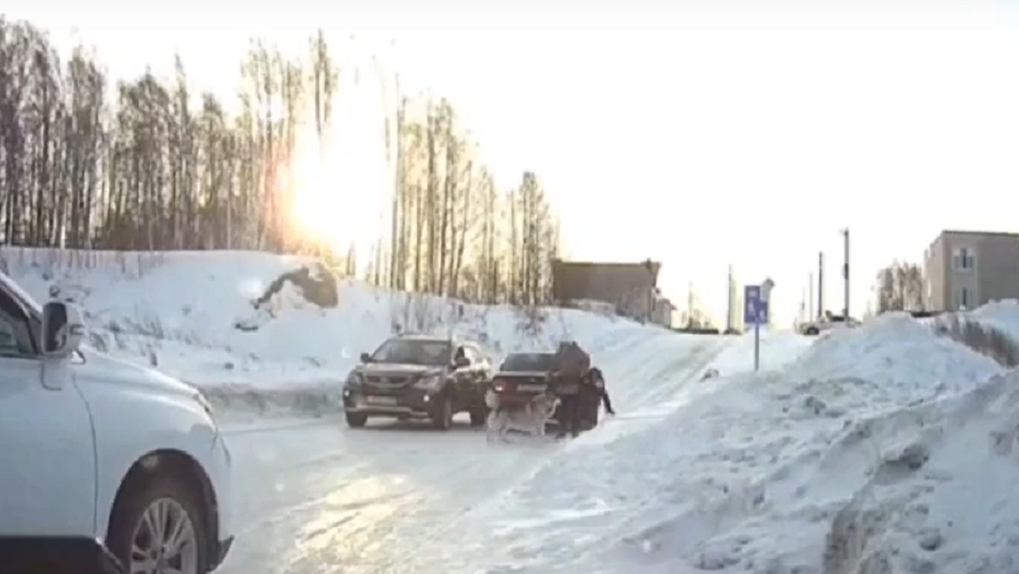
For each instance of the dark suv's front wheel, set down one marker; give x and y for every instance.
(356, 420)
(442, 418)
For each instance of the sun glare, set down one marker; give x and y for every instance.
(343, 179)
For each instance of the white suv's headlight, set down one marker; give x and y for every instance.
(353, 379)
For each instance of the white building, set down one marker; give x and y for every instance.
(662, 311)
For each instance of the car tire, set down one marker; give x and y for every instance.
(442, 419)
(356, 420)
(167, 495)
(479, 416)
(812, 331)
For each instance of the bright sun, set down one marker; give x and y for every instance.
(342, 181)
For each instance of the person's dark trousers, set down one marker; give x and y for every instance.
(570, 421)
(607, 402)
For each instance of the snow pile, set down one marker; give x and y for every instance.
(197, 315)
(1003, 315)
(891, 360)
(836, 464)
(894, 351)
(942, 496)
(586, 510)
(879, 449)
(927, 488)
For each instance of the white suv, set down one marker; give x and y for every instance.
(101, 459)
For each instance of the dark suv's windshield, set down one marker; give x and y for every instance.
(529, 362)
(413, 352)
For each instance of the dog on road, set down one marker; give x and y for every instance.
(529, 418)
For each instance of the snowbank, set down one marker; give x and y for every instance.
(1001, 314)
(192, 315)
(836, 463)
(893, 359)
(883, 445)
(584, 511)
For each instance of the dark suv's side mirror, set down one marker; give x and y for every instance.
(366, 358)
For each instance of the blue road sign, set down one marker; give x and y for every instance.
(762, 312)
(755, 308)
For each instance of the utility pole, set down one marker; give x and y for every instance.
(804, 315)
(729, 295)
(810, 297)
(689, 306)
(845, 271)
(820, 284)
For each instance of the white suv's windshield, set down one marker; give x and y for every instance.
(413, 352)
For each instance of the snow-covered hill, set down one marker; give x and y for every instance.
(192, 314)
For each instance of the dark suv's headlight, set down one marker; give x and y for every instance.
(351, 385)
(430, 382)
(353, 380)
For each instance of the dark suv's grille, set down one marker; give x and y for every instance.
(387, 381)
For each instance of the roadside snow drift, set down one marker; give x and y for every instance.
(875, 450)
(1001, 314)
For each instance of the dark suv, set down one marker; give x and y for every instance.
(419, 377)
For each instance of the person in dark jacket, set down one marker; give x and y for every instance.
(570, 369)
(594, 388)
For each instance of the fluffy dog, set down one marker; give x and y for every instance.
(529, 418)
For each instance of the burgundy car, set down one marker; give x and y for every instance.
(522, 376)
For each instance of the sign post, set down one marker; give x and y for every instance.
(755, 311)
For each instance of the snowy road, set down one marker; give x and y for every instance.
(316, 497)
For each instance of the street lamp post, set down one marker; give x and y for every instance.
(845, 271)
(820, 285)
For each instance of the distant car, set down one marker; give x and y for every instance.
(419, 377)
(827, 323)
(522, 376)
(106, 465)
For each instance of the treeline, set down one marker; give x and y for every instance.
(900, 288)
(87, 162)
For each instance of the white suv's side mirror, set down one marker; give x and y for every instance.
(63, 329)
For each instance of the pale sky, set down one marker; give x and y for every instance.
(701, 134)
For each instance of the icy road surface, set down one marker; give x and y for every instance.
(316, 497)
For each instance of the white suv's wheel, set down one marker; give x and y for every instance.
(158, 529)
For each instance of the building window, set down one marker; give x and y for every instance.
(962, 299)
(963, 259)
